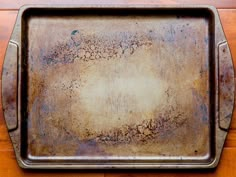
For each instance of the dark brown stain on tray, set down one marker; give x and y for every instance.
(147, 131)
(93, 48)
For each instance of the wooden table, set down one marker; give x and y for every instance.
(8, 164)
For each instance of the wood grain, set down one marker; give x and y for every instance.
(8, 164)
(11, 4)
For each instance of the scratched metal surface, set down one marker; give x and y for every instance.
(125, 86)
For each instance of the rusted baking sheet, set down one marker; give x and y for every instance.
(118, 87)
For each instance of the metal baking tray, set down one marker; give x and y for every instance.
(118, 87)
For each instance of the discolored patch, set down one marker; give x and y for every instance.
(133, 90)
(105, 47)
(149, 130)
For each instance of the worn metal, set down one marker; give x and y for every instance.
(118, 87)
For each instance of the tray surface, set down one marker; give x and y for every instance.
(126, 86)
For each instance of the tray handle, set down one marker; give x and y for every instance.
(226, 86)
(9, 86)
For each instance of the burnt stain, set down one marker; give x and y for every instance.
(95, 47)
(149, 130)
